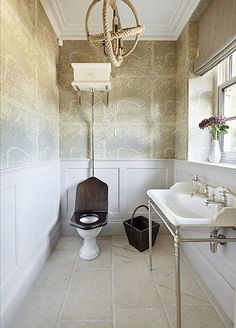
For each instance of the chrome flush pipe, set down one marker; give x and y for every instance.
(92, 132)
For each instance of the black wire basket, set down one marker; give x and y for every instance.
(136, 230)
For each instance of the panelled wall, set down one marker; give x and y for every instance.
(217, 270)
(128, 181)
(29, 229)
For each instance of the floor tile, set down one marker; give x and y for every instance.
(72, 293)
(165, 263)
(140, 318)
(68, 243)
(104, 260)
(85, 324)
(122, 250)
(164, 245)
(57, 271)
(89, 296)
(196, 316)
(190, 291)
(104, 237)
(40, 310)
(134, 285)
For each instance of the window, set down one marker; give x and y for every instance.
(227, 106)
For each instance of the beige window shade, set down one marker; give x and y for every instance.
(217, 35)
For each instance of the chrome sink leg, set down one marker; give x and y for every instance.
(150, 234)
(177, 278)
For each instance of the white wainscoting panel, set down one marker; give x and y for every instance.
(217, 270)
(8, 233)
(128, 181)
(29, 226)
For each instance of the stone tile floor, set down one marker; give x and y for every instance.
(117, 290)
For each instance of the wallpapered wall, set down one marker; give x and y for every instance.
(194, 95)
(29, 91)
(140, 121)
(186, 51)
(201, 105)
(148, 112)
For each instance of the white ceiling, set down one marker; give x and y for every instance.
(163, 19)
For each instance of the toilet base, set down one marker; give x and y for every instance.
(88, 256)
(89, 250)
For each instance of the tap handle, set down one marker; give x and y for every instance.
(227, 191)
(195, 178)
(224, 198)
(206, 190)
(224, 192)
(213, 197)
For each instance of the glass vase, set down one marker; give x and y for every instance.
(215, 152)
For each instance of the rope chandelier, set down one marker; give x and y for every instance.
(112, 40)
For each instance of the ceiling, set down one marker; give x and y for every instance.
(163, 19)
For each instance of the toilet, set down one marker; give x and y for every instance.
(90, 215)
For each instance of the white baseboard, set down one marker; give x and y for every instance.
(29, 275)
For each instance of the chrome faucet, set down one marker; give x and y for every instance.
(223, 202)
(196, 185)
(196, 189)
(211, 200)
(224, 198)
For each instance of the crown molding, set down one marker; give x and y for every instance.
(169, 31)
(182, 15)
(54, 14)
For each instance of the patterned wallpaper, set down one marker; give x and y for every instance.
(182, 74)
(149, 103)
(201, 105)
(194, 97)
(29, 91)
(140, 120)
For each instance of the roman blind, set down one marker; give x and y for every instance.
(217, 35)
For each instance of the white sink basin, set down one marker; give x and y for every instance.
(183, 210)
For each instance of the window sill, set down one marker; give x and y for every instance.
(216, 165)
(228, 158)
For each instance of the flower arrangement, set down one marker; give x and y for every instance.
(216, 125)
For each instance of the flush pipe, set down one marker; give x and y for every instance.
(92, 131)
(92, 90)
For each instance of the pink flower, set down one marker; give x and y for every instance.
(204, 123)
(215, 124)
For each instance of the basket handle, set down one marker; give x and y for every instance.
(135, 210)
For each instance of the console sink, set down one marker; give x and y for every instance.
(187, 211)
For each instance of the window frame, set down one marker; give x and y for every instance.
(225, 80)
(227, 156)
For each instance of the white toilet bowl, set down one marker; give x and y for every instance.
(89, 249)
(90, 215)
